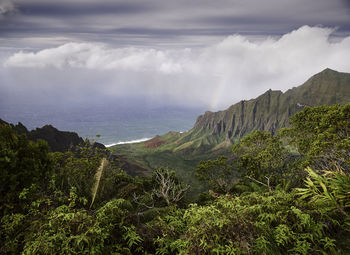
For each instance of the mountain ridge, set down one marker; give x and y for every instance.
(268, 112)
(215, 132)
(58, 141)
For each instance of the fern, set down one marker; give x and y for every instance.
(131, 237)
(330, 189)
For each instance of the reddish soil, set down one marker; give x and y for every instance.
(154, 143)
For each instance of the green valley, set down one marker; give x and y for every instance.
(269, 175)
(214, 133)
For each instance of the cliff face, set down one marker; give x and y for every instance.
(268, 112)
(57, 140)
(243, 117)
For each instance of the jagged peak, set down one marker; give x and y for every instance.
(270, 91)
(327, 76)
(244, 116)
(49, 127)
(328, 70)
(325, 72)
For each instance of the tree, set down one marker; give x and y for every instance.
(23, 164)
(87, 169)
(219, 173)
(168, 186)
(262, 156)
(321, 135)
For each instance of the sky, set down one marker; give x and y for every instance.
(192, 53)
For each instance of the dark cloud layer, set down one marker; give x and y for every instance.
(76, 9)
(163, 23)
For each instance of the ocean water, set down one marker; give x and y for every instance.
(106, 124)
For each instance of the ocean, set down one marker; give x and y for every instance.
(104, 124)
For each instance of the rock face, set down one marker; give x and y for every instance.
(268, 112)
(62, 141)
(57, 140)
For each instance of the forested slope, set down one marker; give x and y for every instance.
(290, 196)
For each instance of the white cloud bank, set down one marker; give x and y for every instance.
(218, 75)
(99, 57)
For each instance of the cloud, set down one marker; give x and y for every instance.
(217, 76)
(6, 7)
(99, 57)
(159, 23)
(246, 68)
(76, 8)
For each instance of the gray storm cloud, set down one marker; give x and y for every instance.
(215, 76)
(6, 7)
(162, 24)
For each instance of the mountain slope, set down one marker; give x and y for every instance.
(62, 141)
(57, 140)
(214, 132)
(269, 112)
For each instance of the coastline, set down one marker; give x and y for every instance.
(127, 142)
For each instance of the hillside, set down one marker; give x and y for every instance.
(63, 141)
(214, 132)
(268, 112)
(82, 203)
(57, 140)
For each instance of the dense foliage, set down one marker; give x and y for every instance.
(23, 164)
(283, 194)
(322, 136)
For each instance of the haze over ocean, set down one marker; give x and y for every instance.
(113, 125)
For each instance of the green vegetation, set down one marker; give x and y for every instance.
(219, 173)
(268, 112)
(276, 194)
(150, 156)
(262, 156)
(254, 223)
(322, 136)
(214, 133)
(24, 164)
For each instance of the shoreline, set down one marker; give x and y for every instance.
(127, 142)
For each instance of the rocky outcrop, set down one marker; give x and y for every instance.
(57, 140)
(62, 141)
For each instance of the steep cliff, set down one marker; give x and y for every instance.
(215, 132)
(268, 112)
